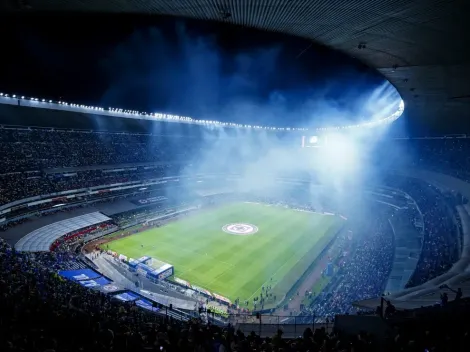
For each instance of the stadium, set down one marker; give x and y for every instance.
(150, 230)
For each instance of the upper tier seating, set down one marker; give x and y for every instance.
(18, 186)
(440, 243)
(30, 150)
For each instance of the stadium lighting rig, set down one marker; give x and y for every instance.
(62, 105)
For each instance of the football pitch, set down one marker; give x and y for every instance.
(235, 249)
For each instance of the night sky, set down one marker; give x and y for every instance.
(199, 69)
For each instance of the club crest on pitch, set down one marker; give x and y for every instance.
(240, 229)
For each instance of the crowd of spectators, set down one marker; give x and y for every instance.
(38, 149)
(42, 312)
(440, 242)
(74, 240)
(23, 185)
(448, 155)
(141, 215)
(45, 313)
(362, 273)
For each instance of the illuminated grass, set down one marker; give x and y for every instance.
(236, 266)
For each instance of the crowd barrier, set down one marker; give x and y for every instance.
(269, 325)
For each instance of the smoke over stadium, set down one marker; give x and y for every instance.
(246, 81)
(208, 78)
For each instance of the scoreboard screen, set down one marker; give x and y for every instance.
(313, 141)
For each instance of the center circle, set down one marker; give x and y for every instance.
(240, 229)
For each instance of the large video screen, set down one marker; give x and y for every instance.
(313, 141)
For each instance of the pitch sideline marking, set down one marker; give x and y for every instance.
(272, 276)
(222, 273)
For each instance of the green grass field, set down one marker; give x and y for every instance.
(234, 266)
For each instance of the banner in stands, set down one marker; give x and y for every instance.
(72, 191)
(79, 275)
(150, 200)
(146, 304)
(119, 170)
(18, 207)
(127, 296)
(222, 298)
(96, 283)
(109, 288)
(182, 282)
(201, 290)
(39, 202)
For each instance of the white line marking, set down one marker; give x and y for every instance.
(272, 276)
(218, 276)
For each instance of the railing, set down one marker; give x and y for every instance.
(269, 325)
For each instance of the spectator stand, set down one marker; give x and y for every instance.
(429, 293)
(60, 237)
(407, 243)
(72, 317)
(73, 190)
(406, 224)
(43, 238)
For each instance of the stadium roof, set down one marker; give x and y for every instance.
(420, 46)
